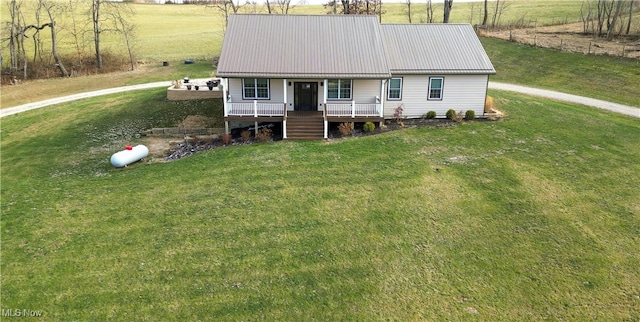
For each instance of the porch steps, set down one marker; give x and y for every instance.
(305, 127)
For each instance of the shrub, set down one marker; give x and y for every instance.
(488, 104)
(397, 115)
(345, 128)
(470, 115)
(451, 114)
(369, 127)
(264, 135)
(458, 117)
(226, 138)
(245, 135)
(431, 114)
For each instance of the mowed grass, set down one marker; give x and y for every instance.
(604, 77)
(533, 217)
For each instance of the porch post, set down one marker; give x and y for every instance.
(284, 114)
(324, 102)
(224, 96)
(353, 109)
(255, 108)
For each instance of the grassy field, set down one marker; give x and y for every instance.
(533, 217)
(174, 32)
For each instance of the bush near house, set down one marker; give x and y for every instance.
(368, 127)
(451, 114)
(470, 115)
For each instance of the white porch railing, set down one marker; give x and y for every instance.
(354, 109)
(254, 109)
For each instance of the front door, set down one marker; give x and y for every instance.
(305, 96)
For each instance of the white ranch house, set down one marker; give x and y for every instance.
(309, 70)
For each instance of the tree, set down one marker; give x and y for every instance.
(95, 19)
(228, 7)
(49, 7)
(448, 4)
(356, 7)
(279, 6)
(408, 9)
(486, 13)
(108, 16)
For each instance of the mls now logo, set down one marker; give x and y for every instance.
(21, 313)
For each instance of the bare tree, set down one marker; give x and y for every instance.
(429, 11)
(283, 6)
(611, 26)
(95, 19)
(630, 16)
(499, 8)
(77, 29)
(356, 7)
(408, 9)
(228, 7)
(50, 7)
(127, 29)
(486, 13)
(448, 4)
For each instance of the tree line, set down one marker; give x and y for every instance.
(31, 49)
(607, 18)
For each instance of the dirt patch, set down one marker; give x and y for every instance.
(196, 121)
(569, 37)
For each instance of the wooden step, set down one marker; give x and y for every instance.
(305, 128)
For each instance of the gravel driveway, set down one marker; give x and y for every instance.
(614, 107)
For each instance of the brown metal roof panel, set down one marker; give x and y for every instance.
(303, 45)
(447, 48)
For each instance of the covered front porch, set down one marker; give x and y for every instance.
(303, 106)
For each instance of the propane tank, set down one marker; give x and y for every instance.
(129, 155)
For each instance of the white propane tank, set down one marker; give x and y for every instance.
(129, 155)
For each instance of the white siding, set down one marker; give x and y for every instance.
(459, 92)
(276, 92)
(366, 90)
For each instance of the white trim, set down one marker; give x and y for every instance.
(255, 88)
(441, 78)
(389, 98)
(340, 81)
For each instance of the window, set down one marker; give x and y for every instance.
(435, 88)
(395, 89)
(255, 88)
(339, 89)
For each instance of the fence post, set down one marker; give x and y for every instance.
(510, 35)
(560, 44)
(624, 47)
(535, 40)
(589, 52)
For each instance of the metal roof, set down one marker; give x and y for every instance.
(346, 46)
(435, 49)
(303, 46)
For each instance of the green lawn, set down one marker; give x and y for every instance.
(604, 77)
(530, 218)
